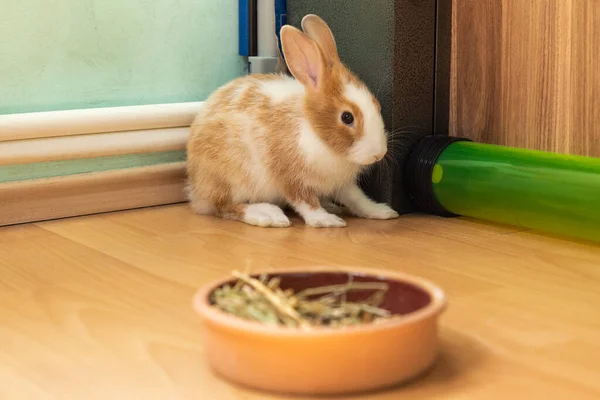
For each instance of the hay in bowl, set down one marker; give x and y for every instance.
(316, 331)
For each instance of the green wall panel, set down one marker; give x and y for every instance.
(49, 169)
(67, 54)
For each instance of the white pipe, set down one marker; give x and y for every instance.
(93, 145)
(266, 35)
(96, 120)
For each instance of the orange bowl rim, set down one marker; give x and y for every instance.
(436, 306)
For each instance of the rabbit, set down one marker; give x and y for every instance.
(263, 142)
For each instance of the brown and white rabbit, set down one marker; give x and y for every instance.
(262, 142)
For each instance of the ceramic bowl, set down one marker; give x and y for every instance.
(326, 360)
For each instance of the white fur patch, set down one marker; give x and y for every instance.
(374, 141)
(314, 149)
(260, 187)
(265, 215)
(332, 170)
(281, 89)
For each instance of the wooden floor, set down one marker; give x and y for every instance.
(99, 307)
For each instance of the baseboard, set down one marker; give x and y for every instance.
(78, 162)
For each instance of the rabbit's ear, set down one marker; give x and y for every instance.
(303, 56)
(281, 67)
(319, 31)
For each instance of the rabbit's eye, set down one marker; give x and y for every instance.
(347, 118)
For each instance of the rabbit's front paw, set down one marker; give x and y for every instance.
(266, 215)
(380, 211)
(325, 220)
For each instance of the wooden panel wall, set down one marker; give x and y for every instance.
(527, 74)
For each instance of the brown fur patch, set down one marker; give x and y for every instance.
(233, 211)
(325, 107)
